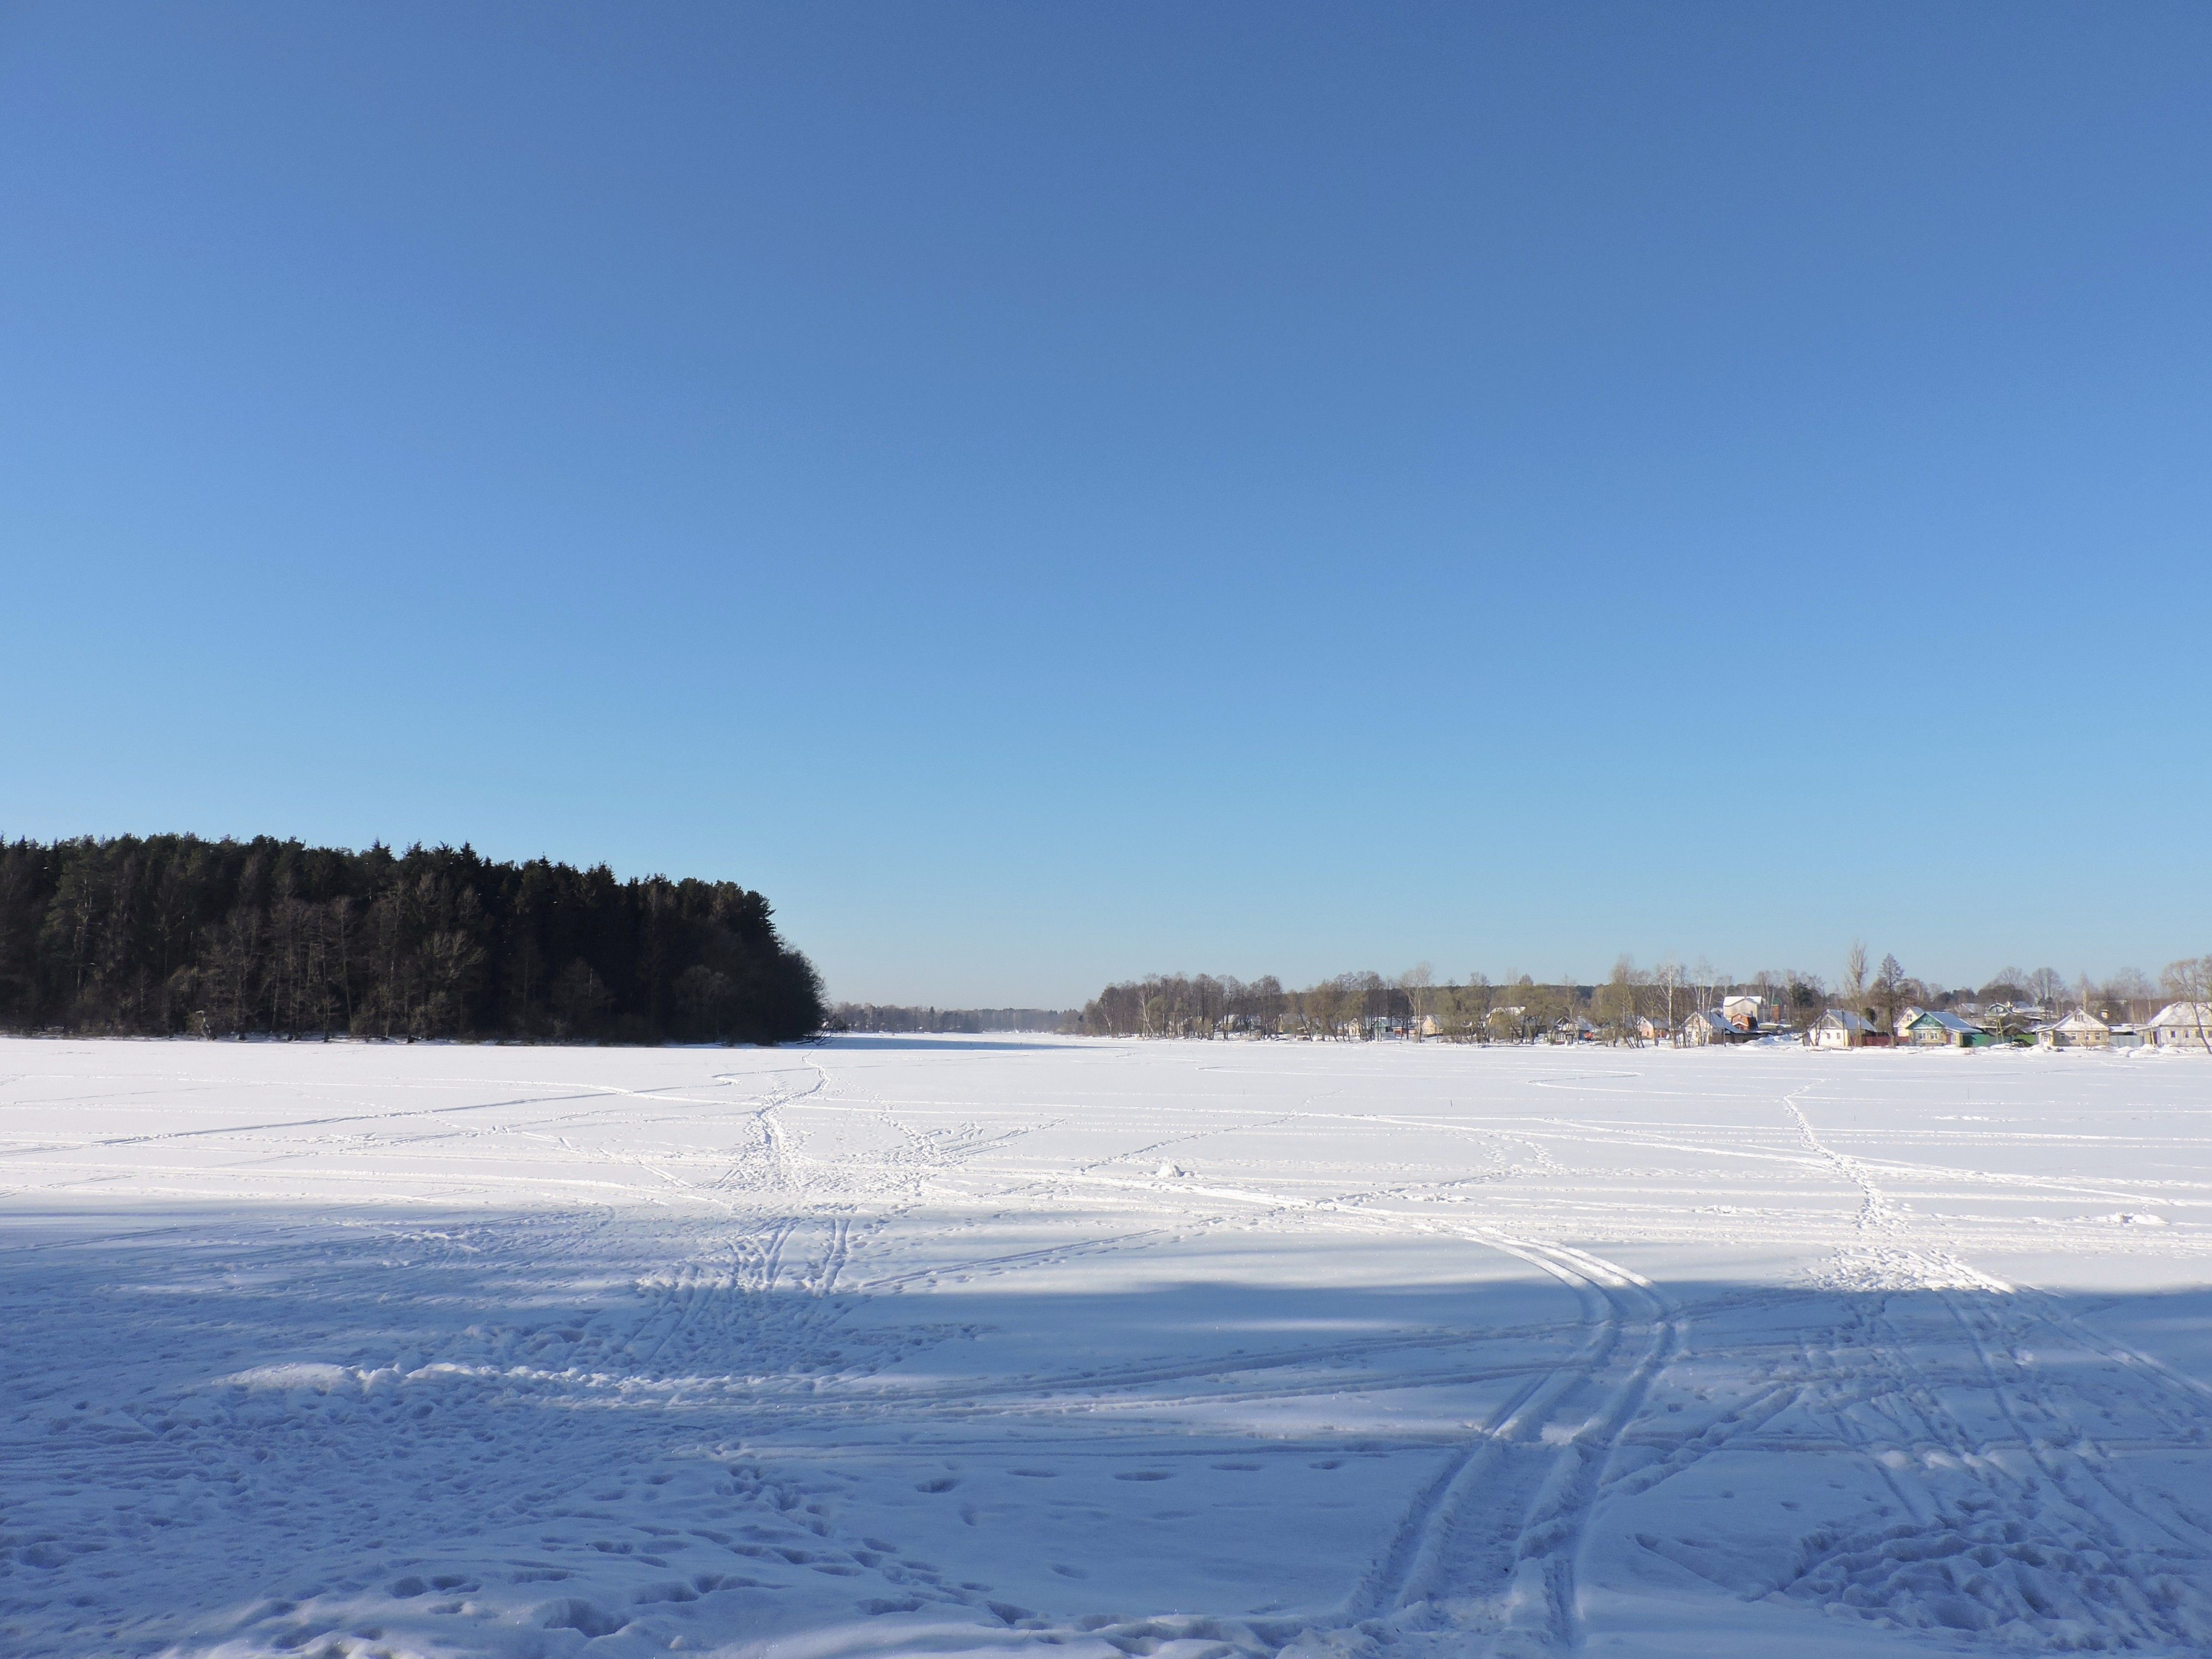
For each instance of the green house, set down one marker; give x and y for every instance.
(1932, 1030)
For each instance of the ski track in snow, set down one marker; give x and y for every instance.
(1113, 1349)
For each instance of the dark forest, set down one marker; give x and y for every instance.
(169, 935)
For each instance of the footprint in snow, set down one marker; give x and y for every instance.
(581, 1615)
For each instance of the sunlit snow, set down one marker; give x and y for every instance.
(1201, 1350)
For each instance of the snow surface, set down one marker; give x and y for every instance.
(1201, 1350)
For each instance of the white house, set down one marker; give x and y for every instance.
(1708, 1025)
(1744, 1013)
(2182, 1022)
(1839, 1028)
(2079, 1029)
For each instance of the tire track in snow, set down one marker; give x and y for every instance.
(1462, 1567)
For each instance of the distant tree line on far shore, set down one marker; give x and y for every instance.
(169, 935)
(872, 1017)
(1365, 1004)
(1632, 1005)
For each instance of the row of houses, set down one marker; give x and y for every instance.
(2176, 1024)
(1742, 1018)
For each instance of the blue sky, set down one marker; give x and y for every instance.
(1052, 492)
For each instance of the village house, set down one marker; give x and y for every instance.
(2079, 1029)
(2183, 1022)
(1709, 1025)
(1933, 1029)
(1651, 1029)
(1746, 1013)
(1839, 1028)
(1505, 1021)
(2018, 1020)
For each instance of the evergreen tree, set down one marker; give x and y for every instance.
(166, 935)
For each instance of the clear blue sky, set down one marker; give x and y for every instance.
(1048, 492)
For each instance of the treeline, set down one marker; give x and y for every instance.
(1201, 1004)
(1630, 1006)
(164, 935)
(1365, 1004)
(884, 1018)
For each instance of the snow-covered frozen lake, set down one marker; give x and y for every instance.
(908, 1345)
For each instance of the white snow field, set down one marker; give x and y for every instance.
(1194, 1350)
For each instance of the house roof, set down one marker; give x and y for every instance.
(2190, 1015)
(1844, 1019)
(2081, 1020)
(1948, 1021)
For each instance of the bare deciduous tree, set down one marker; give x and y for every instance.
(1889, 990)
(1615, 1004)
(2190, 980)
(1668, 977)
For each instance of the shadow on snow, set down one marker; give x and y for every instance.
(525, 1433)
